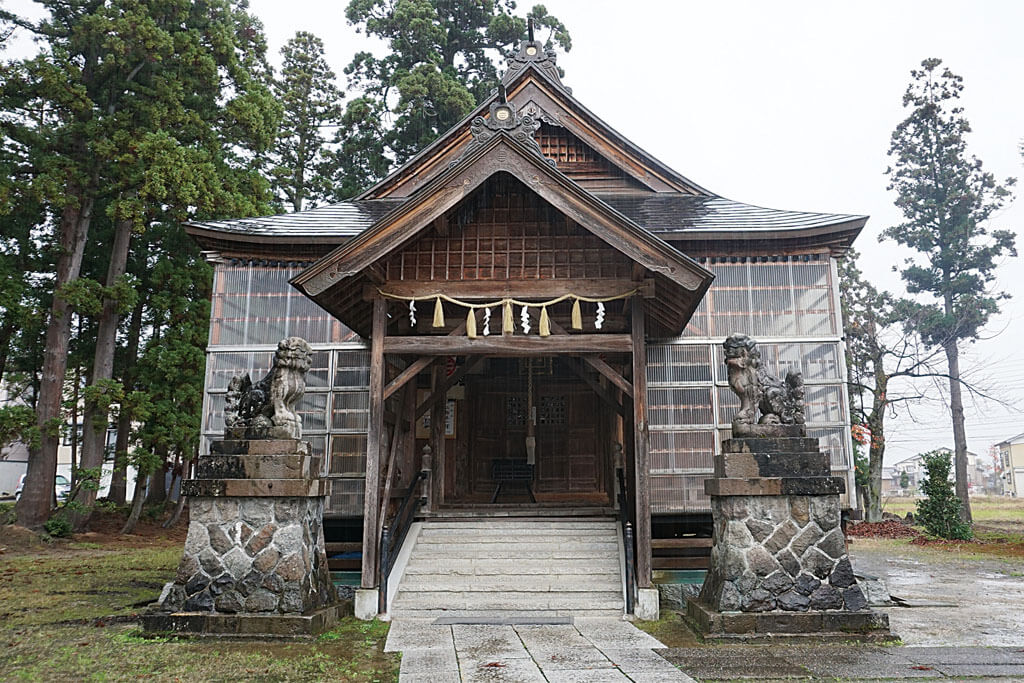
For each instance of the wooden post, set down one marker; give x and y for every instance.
(371, 493)
(640, 443)
(437, 415)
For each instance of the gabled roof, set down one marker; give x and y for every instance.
(335, 281)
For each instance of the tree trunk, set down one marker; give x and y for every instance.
(119, 479)
(158, 485)
(956, 405)
(876, 447)
(96, 418)
(138, 499)
(34, 507)
(186, 467)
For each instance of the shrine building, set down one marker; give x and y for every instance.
(530, 313)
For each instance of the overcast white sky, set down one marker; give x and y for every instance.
(790, 105)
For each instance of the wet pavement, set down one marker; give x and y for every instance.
(588, 650)
(847, 663)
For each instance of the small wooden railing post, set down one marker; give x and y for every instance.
(427, 469)
(627, 541)
(385, 569)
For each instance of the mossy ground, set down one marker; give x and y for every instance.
(67, 612)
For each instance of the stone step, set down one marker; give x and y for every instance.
(524, 524)
(598, 567)
(563, 554)
(512, 534)
(483, 545)
(483, 600)
(510, 614)
(531, 583)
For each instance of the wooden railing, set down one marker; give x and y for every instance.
(393, 535)
(627, 539)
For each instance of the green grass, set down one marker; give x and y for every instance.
(984, 509)
(67, 613)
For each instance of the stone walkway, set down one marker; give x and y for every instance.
(589, 650)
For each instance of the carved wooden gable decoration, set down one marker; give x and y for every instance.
(502, 219)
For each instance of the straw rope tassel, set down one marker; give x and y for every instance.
(438, 313)
(471, 324)
(507, 325)
(545, 323)
(577, 316)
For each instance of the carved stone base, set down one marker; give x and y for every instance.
(778, 554)
(244, 626)
(255, 544)
(813, 625)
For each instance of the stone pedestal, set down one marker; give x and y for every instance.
(254, 561)
(779, 564)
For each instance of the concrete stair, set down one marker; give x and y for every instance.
(512, 567)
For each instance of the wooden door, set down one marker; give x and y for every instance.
(570, 457)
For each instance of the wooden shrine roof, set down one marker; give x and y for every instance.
(336, 282)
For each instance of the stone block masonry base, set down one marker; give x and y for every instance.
(778, 562)
(254, 563)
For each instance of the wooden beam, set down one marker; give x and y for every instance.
(437, 439)
(373, 445)
(447, 384)
(498, 345)
(405, 375)
(521, 289)
(601, 392)
(640, 445)
(602, 367)
(415, 368)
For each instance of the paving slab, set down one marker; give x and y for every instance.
(426, 661)
(962, 655)
(639, 661)
(477, 642)
(726, 663)
(586, 676)
(409, 634)
(612, 633)
(573, 658)
(439, 677)
(552, 637)
(499, 669)
(1012, 671)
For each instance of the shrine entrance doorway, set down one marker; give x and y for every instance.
(519, 398)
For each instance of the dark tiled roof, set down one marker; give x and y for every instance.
(661, 214)
(343, 219)
(667, 214)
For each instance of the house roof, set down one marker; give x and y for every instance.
(676, 208)
(334, 281)
(1013, 440)
(669, 216)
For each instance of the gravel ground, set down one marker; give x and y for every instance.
(963, 600)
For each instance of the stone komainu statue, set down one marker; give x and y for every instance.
(266, 409)
(781, 402)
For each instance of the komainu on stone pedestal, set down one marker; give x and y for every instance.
(254, 562)
(779, 565)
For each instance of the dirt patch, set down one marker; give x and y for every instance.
(886, 529)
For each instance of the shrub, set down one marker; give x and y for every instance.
(939, 510)
(58, 526)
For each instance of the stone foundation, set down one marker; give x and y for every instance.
(779, 562)
(255, 548)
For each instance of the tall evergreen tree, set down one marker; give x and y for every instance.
(312, 102)
(151, 110)
(441, 61)
(946, 199)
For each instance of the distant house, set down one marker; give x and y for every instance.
(980, 478)
(1011, 460)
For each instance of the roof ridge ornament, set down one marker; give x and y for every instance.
(532, 52)
(502, 117)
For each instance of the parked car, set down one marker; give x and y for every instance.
(61, 487)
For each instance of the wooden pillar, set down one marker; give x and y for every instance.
(640, 444)
(371, 494)
(437, 415)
